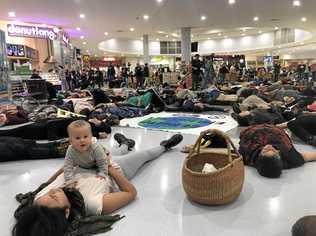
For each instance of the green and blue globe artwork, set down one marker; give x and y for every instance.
(174, 122)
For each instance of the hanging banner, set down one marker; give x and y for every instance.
(32, 31)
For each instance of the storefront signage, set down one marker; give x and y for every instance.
(86, 58)
(65, 39)
(32, 31)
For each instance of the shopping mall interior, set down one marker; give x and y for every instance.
(157, 117)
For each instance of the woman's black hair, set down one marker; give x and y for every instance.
(41, 221)
(305, 226)
(269, 166)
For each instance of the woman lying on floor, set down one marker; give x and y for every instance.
(270, 150)
(57, 210)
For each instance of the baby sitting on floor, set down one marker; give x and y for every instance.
(83, 152)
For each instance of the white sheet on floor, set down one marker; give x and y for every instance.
(220, 122)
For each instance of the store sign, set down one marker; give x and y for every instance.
(86, 58)
(65, 39)
(32, 31)
(108, 59)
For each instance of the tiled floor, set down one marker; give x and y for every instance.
(265, 207)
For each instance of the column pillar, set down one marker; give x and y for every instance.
(146, 48)
(186, 44)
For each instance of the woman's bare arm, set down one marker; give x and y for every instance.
(52, 178)
(114, 201)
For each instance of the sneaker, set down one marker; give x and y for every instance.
(121, 139)
(173, 141)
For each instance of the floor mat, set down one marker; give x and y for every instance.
(181, 122)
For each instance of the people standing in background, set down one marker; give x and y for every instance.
(146, 75)
(209, 73)
(68, 80)
(124, 74)
(62, 77)
(139, 73)
(99, 77)
(196, 71)
(160, 74)
(111, 72)
(223, 71)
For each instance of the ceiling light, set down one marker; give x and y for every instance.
(167, 36)
(11, 14)
(243, 34)
(87, 51)
(192, 36)
(82, 16)
(219, 34)
(260, 32)
(244, 29)
(81, 37)
(84, 43)
(208, 38)
(203, 17)
(173, 40)
(157, 39)
(276, 28)
(106, 33)
(78, 28)
(146, 17)
(131, 29)
(231, 1)
(159, 1)
(296, 3)
(256, 18)
(304, 19)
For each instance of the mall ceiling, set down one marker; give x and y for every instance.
(105, 19)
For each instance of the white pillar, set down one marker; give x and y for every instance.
(186, 44)
(146, 48)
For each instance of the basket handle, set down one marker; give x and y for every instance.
(197, 146)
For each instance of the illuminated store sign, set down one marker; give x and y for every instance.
(32, 31)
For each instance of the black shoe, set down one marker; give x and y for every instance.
(121, 139)
(236, 108)
(173, 141)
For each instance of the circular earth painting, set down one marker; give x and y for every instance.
(175, 122)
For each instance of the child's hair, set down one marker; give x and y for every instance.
(305, 226)
(77, 124)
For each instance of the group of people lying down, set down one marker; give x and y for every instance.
(93, 182)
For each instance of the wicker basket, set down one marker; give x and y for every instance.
(216, 188)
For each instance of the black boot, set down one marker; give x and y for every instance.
(121, 139)
(173, 141)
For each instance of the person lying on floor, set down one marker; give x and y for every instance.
(189, 105)
(56, 210)
(54, 129)
(304, 127)
(11, 114)
(259, 116)
(270, 150)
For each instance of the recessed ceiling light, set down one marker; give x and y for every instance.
(106, 33)
(256, 18)
(11, 14)
(81, 37)
(203, 17)
(244, 29)
(304, 19)
(225, 36)
(131, 29)
(219, 34)
(78, 28)
(192, 36)
(157, 39)
(276, 28)
(260, 32)
(159, 1)
(146, 17)
(82, 16)
(208, 38)
(84, 43)
(243, 34)
(296, 3)
(231, 1)
(87, 51)
(167, 36)
(173, 40)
